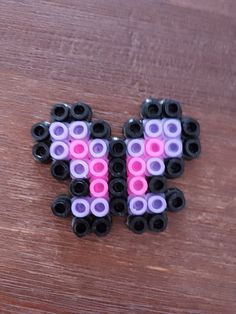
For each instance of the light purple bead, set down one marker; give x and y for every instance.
(99, 207)
(173, 148)
(79, 130)
(79, 169)
(156, 203)
(98, 148)
(135, 148)
(59, 150)
(80, 207)
(155, 166)
(58, 131)
(137, 205)
(153, 128)
(172, 128)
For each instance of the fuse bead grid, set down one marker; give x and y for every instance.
(114, 176)
(78, 149)
(146, 157)
(156, 146)
(88, 159)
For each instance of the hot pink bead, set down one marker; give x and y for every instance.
(78, 149)
(98, 187)
(136, 166)
(154, 147)
(137, 186)
(98, 167)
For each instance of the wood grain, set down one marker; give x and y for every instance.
(112, 54)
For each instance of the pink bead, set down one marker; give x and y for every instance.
(98, 188)
(136, 166)
(137, 186)
(78, 149)
(98, 167)
(154, 147)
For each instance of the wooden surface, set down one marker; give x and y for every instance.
(112, 54)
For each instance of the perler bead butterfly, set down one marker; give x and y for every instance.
(114, 176)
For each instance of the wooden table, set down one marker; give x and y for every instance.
(112, 54)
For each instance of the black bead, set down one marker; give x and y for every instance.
(40, 131)
(60, 170)
(81, 226)
(61, 206)
(79, 187)
(102, 225)
(171, 108)
(100, 129)
(117, 167)
(137, 224)
(118, 206)
(118, 187)
(158, 222)
(190, 127)
(117, 148)
(81, 111)
(60, 113)
(41, 152)
(156, 184)
(133, 128)
(174, 167)
(151, 108)
(175, 199)
(191, 148)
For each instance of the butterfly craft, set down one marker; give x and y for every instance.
(110, 176)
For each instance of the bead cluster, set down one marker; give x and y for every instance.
(117, 176)
(156, 149)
